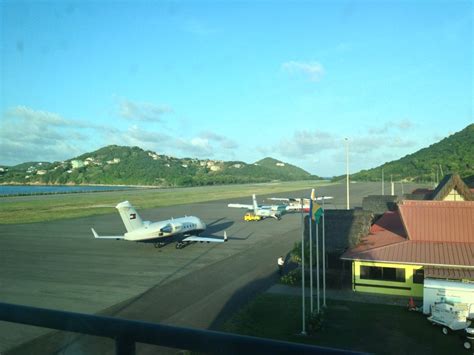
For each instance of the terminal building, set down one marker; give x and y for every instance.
(422, 247)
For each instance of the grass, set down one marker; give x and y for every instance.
(29, 209)
(373, 328)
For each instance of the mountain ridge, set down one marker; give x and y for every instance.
(123, 165)
(453, 154)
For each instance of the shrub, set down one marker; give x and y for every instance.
(315, 321)
(292, 278)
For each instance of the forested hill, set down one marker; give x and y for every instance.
(118, 165)
(454, 154)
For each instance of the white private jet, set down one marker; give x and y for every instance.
(274, 211)
(186, 229)
(293, 204)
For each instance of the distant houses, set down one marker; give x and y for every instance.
(76, 164)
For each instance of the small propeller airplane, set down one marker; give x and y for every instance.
(259, 211)
(293, 204)
(185, 229)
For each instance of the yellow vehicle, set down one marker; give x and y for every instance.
(249, 216)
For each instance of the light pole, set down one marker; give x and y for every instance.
(347, 172)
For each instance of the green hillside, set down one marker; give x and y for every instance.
(118, 165)
(454, 154)
(290, 171)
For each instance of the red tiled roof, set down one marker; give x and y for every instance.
(423, 253)
(436, 233)
(449, 273)
(438, 221)
(388, 229)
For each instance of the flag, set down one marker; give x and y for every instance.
(315, 210)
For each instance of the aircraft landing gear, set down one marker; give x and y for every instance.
(158, 244)
(179, 245)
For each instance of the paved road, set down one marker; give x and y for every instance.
(59, 265)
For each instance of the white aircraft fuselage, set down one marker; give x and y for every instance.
(187, 229)
(189, 225)
(274, 211)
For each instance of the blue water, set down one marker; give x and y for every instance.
(59, 189)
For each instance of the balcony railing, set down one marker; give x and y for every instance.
(127, 332)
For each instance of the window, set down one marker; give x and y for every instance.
(382, 273)
(418, 276)
(454, 196)
(371, 272)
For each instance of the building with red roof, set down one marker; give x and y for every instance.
(421, 239)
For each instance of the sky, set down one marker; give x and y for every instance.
(235, 80)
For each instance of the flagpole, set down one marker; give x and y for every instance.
(324, 259)
(311, 260)
(347, 173)
(303, 317)
(317, 261)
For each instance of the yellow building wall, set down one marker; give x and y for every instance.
(453, 196)
(407, 288)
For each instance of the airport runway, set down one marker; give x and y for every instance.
(60, 265)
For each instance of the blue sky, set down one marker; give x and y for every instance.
(235, 80)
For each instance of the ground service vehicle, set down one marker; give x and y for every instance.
(249, 216)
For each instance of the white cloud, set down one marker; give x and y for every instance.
(312, 70)
(404, 124)
(142, 111)
(34, 135)
(307, 143)
(41, 118)
(204, 145)
(364, 145)
(391, 126)
(325, 152)
(200, 143)
(224, 142)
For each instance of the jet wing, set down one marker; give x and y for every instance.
(239, 205)
(106, 236)
(194, 238)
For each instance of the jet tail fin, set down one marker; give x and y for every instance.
(255, 206)
(129, 215)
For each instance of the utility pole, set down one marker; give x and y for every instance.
(347, 172)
